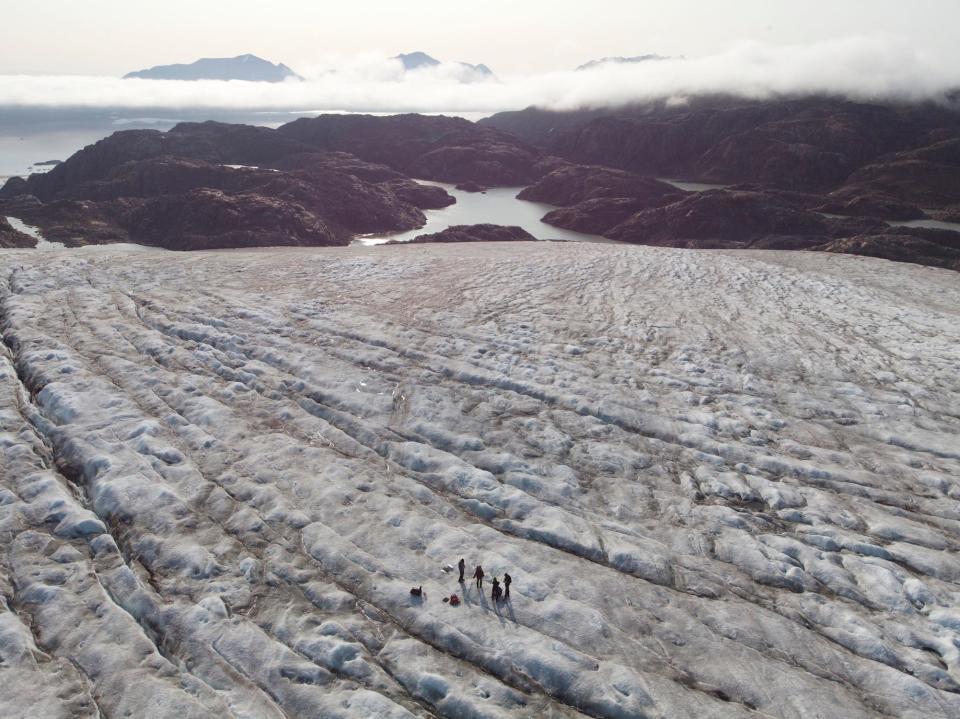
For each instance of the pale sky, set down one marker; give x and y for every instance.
(111, 37)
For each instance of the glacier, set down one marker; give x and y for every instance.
(725, 483)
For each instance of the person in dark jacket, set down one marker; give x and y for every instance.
(496, 591)
(461, 565)
(478, 575)
(506, 585)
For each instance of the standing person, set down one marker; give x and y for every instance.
(496, 591)
(478, 575)
(506, 585)
(461, 565)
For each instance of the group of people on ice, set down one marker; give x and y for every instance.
(498, 592)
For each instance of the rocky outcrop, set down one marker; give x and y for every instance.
(928, 177)
(735, 219)
(797, 165)
(871, 205)
(571, 184)
(114, 190)
(596, 199)
(309, 159)
(211, 219)
(425, 197)
(213, 143)
(76, 223)
(947, 214)
(446, 149)
(597, 216)
(10, 237)
(807, 144)
(943, 251)
(476, 233)
(472, 187)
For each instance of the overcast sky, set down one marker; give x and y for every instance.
(111, 37)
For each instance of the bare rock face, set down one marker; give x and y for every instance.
(808, 144)
(76, 223)
(928, 176)
(340, 161)
(732, 219)
(947, 214)
(871, 205)
(14, 187)
(10, 237)
(213, 143)
(596, 199)
(477, 233)
(597, 216)
(929, 250)
(426, 197)
(571, 184)
(112, 191)
(472, 187)
(446, 149)
(211, 219)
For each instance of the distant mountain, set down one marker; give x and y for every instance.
(243, 67)
(621, 61)
(418, 60)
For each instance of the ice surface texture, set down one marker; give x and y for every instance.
(725, 484)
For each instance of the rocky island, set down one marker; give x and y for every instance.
(476, 233)
(249, 68)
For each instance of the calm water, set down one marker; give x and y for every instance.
(20, 152)
(21, 148)
(930, 224)
(498, 206)
(693, 186)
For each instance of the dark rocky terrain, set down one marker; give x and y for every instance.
(810, 144)
(316, 181)
(477, 233)
(243, 67)
(569, 185)
(735, 219)
(794, 165)
(814, 173)
(472, 187)
(445, 149)
(266, 189)
(10, 237)
(935, 248)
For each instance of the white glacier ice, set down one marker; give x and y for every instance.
(726, 484)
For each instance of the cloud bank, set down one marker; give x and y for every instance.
(865, 68)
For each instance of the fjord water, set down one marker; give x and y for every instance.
(498, 206)
(929, 224)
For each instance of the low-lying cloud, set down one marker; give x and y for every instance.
(872, 68)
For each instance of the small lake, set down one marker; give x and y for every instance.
(497, 206)
(693, 186)
(929, 224)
